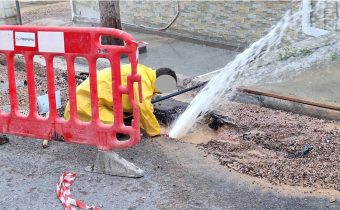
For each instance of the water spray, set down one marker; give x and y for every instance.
(229, 76)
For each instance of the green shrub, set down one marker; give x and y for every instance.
(288, 52)
(335, 56)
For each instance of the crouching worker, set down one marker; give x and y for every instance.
(152, 81)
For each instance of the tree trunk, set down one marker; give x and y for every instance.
(110, 18)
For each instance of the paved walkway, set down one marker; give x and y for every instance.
(184, 57)
(321, 83)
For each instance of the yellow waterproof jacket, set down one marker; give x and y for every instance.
(105, 102)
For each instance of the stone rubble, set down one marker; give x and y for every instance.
(270, 144)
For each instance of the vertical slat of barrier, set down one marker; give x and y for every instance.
(93, 86)
(2, 111)
(134, 62)
(116, 95)
(31, 84)
(71, 77)
(51, 87)
(12, 85)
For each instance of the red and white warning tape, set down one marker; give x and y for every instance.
(64, 193)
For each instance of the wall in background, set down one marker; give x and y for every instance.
(237, 23)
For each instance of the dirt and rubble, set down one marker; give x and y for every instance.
(61, 84)
(281, 147)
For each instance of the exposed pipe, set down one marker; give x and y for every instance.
(210, 73)
(178, 92)
(306, 24)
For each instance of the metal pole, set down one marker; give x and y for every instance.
(17, 4)
(178, 92)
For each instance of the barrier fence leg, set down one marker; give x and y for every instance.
(110, 163)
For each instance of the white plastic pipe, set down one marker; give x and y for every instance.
(209, 75)
(306, 24)
(43, 103)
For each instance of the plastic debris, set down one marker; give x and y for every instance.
(43, 104)
(332, 200)
(306, 149)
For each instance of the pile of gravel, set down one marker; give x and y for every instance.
(281, 147)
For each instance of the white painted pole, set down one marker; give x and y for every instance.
(306, 24)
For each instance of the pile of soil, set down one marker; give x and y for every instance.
(60, 79)
(281, 147)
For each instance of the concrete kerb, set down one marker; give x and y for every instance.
(288, 106)
(81, 63)
(238, 47)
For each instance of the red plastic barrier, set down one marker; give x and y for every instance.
(70, 43)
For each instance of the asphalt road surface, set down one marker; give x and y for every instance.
(177, 176)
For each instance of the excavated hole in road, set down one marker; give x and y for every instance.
(281, 147)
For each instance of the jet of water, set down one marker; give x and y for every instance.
(229, 76)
